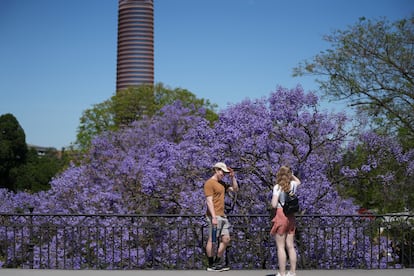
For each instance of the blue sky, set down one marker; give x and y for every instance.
(58, 57)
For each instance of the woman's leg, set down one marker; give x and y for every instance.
(290, 246)
(281, 253)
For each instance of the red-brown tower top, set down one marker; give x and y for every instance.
(135, 54)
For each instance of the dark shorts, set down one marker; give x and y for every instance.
(283, 224)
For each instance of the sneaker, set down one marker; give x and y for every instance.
(220, 267)
(291, 274)
(211, 268)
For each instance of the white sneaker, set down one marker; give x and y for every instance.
(287, 274)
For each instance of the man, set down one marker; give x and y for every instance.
(214, 190)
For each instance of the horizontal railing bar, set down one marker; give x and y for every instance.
(203, 215)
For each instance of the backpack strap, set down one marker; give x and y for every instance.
(284, 196)
(293, 188)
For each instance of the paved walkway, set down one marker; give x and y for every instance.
(347, 272)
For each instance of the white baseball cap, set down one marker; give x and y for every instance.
(222, 166)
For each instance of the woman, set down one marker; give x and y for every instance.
(283, 228)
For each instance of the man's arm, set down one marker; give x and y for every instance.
(210, 207)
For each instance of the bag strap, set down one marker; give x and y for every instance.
(286, 194)
(293, 190)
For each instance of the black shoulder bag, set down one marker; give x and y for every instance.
(291, 205)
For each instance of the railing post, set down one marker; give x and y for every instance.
(31, 244)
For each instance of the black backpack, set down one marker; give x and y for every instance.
(291, 203)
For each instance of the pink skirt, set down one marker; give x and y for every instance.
(283, 224)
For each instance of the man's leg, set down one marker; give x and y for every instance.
(209, 252)
(224, 241)
(209, 247)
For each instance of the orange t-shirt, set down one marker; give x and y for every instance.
(217, 190)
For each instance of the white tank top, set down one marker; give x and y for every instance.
(277, 190)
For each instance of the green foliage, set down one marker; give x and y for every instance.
(13, 149)
(94, 121)
(164, 96)
(36, 173)
(365, 190)
(371, 66)
(133, 104)
(379, 180)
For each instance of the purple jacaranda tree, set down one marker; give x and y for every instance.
(158, 165)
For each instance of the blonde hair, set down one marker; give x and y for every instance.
(283, 178)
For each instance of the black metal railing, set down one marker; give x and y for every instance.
(113, 241)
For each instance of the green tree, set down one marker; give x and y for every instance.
(94, 121)
(381, 186)
(165, 96)
(13, 149)
(35, 175)
(133, 104)
(371, 66)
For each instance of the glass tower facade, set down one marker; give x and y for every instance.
(135, 57)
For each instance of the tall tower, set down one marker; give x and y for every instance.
(135, 57)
